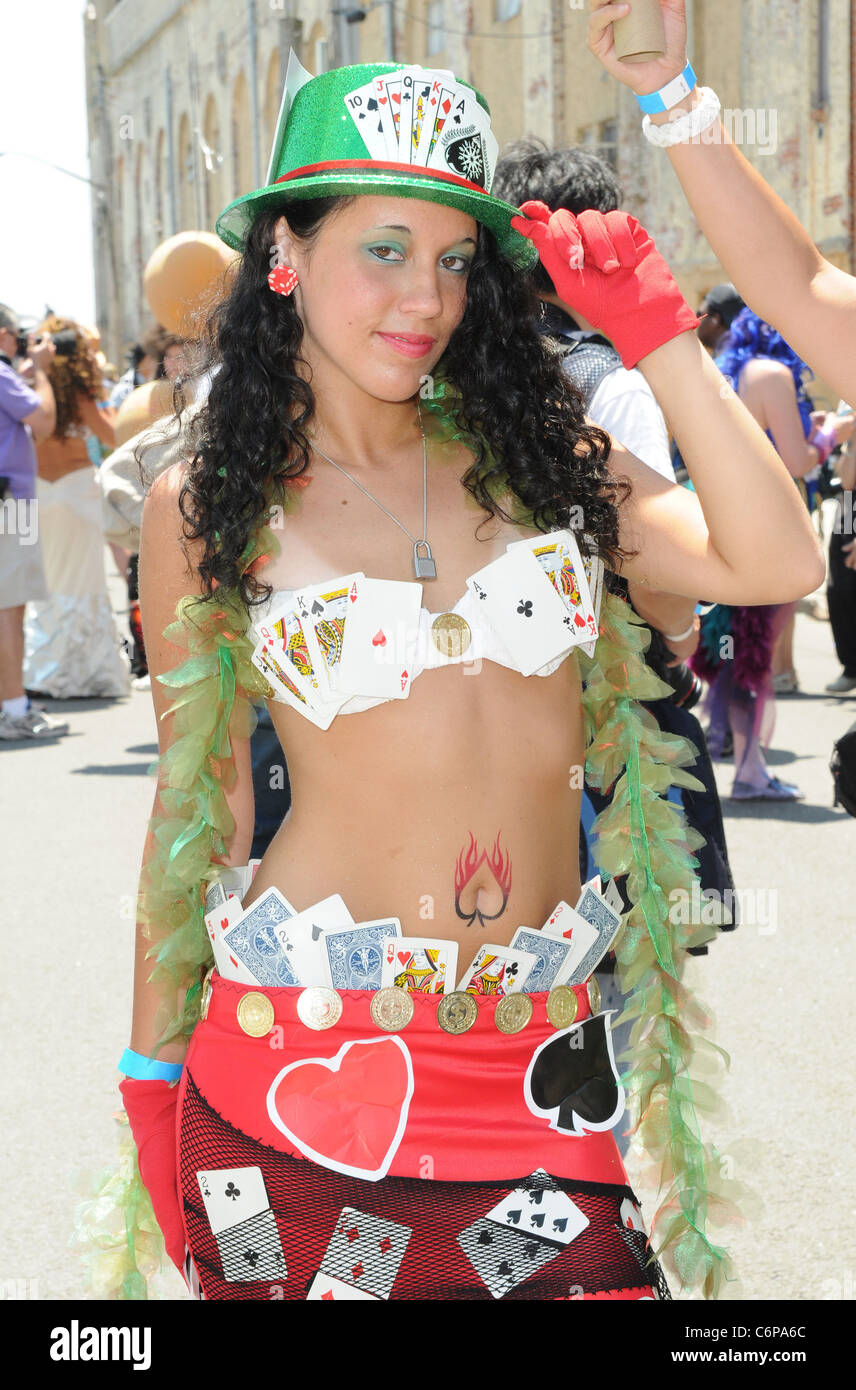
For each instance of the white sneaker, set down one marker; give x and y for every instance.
(842, 685)
(142, 682)
(33, 723)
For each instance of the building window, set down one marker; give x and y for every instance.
(608, 145)
(506, 9)
(821, 98)
(436, 33)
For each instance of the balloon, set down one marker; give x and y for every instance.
(144, 405)
(184, 276)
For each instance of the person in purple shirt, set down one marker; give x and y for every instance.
(27, 413)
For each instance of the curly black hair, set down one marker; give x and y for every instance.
(571, 178)
(518, 412)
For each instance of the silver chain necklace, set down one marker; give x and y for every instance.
(423, 565)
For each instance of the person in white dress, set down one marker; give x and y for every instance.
(71, 645)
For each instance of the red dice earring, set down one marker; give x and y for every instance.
(282, 279)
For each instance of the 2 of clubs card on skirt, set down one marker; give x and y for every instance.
(242, 1223)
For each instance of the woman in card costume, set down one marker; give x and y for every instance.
(342, 1142)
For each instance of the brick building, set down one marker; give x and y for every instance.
(183, 97)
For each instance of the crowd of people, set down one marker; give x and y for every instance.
(59, 406)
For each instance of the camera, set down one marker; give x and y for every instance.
(65, 342)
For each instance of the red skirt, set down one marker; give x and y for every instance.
(349, 1161)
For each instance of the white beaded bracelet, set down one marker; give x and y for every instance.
(686, 126)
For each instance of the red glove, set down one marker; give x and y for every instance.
(151, 1110)
(608, 268)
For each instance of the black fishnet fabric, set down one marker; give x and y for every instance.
(408, 1238)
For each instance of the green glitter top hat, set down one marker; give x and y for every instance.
(378, 128)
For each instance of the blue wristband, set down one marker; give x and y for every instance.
(142, 1068)
(671, 94)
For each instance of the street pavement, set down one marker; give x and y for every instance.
(73, 817)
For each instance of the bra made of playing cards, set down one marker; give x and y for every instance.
(349, 643)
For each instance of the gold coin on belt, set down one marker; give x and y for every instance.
(319, 1007)
(255, 1014)
(205, 998)
(457, 1012)
(513, 1013)
(451, 634)
(391, 1008)
(561, 1006)
(593, 991)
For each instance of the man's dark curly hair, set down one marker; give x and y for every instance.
(515, 401)
(572, 178)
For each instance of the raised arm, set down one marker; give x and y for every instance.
(101, 419)
(744, 536)
(763, 247)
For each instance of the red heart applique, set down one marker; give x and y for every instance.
(347, 1112)
(404, 957)
(379, 639)
(580, 622)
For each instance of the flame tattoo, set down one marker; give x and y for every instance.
(469, 861)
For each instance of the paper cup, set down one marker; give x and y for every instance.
(640, 35)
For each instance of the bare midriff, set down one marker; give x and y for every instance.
(456, 809)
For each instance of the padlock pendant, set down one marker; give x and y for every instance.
(423, 565)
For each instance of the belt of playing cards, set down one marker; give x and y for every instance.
(271, 943)
(326, 1074)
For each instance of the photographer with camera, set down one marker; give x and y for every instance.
(27, 414)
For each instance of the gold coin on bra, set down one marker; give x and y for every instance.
(513, 1013)
(255, 1014)
(319, 1007)
(561, 1006)
(391, 1008)
(451, 634)
(593, 991)
(457, 1012)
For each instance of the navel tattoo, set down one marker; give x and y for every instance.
(468, 864)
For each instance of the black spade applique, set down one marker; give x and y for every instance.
(573, 1080)
(466, 157)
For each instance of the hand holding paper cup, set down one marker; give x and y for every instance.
(642, 43)
(640, 36)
